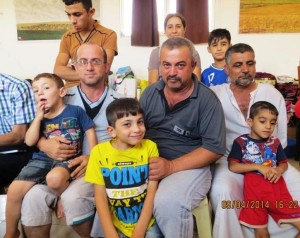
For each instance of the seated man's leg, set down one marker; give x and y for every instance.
(79, 208)
(227, 187)
(175, 199)
(36, 211)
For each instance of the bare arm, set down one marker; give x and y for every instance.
(33, 133)
(272, 174)
(62, 69)
(160, 167)
(103, 212)
(91, 137)
(147, 211)
(153, 76)
(15, 137)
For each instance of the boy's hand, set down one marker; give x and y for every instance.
(81, 163)
(40, 110)
(271, 174)
(274, 174)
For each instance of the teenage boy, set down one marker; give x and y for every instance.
(219, 41)
(260, 157)
(118, 169)
(85, 29)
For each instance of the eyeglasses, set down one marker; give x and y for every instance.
(84, 62)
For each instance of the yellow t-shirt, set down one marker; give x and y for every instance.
(125, 176)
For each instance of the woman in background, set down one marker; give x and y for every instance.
(175, 26)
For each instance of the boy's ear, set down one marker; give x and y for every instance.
(250, 122)
(92, 11)
(63, 92)
(111, 131)
(208, 49)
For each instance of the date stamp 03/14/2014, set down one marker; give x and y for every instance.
(255, 204)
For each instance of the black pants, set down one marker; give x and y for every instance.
(11, 165)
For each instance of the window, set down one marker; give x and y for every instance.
(164, 7)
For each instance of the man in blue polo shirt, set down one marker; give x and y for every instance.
(17, 110)
(186, 120)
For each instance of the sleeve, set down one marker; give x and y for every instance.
(63, 46)
(280, 155)
(85, 121)
(154, 59)
(235, 153)
(282, 120)
(212, 123)
(152, 149)
(93, 174)
(23, 104)
(111, 42)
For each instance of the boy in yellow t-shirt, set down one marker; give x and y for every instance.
(118, 169)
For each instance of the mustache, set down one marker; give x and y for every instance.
(246, 76)
(173, 78)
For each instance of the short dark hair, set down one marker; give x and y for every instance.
(218, 34)
(87, 4)
(59, 82)
(120, 108)
(262, 105)
(237, 48)
(180, 16)
(178, 42)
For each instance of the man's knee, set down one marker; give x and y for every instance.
(37, 231)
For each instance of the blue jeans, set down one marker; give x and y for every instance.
(37, 169)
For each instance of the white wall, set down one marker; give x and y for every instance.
(275, 53)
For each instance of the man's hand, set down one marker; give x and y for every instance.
(57, 148)
(80, 163)
(160, 168)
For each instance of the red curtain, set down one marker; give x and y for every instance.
(144, 23)
(196, 14)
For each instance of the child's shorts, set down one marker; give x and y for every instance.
(262, 198)
(37, 169)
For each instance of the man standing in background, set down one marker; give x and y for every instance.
(85, 29)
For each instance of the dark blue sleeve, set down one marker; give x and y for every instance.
(85, 121)
(280, 155)
(236, 152)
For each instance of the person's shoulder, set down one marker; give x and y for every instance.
(68, 33)
(219, 88)
(75, 108)
(103, 29)
(266, 87)
(147, 142)
(11, 79)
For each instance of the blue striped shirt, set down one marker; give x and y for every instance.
(17, 103)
